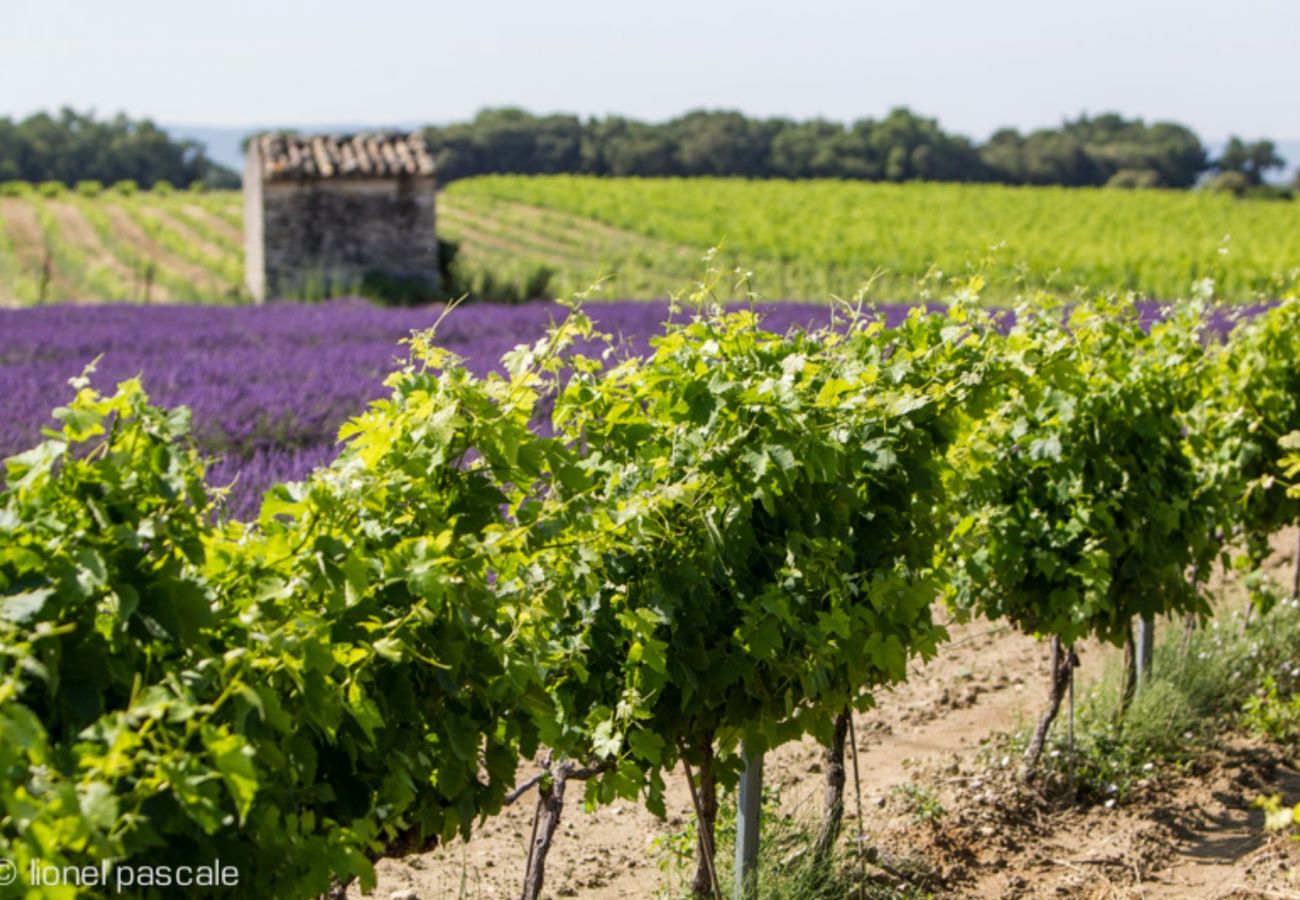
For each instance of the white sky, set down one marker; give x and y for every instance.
(1221, 67)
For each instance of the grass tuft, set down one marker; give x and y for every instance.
(1227, 674)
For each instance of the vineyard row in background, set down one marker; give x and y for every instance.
(521, 238)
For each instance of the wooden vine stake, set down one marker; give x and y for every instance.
(706, 874)
(1070, 724)
(859, 842)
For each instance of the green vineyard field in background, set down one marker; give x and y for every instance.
(810, 238)
(530, 236)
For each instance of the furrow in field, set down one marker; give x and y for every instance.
(74, 227)
(228, 206)
(646, 266)
(502, 258)
(486, 232)
(32, 249)
(10, 265)
(147, 282)
(491, 233)
(565, 232)
(475, 243)
(229, 235)
(499, 220)
(199, 248)
(496, 233)
(200, 281)
(581, 228)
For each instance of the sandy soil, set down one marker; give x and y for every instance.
(1193, 834)
(1186, 834)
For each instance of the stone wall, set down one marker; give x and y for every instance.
(324, 236)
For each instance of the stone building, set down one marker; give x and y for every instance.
(325, 214)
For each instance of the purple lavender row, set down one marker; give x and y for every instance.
(269, 386)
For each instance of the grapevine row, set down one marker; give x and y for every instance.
(639, 564)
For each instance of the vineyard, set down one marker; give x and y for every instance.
(120, 244)
(531, 237)
(640, 563)
(812, 239)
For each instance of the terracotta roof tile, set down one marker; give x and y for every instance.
(288, 157)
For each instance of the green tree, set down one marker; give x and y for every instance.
(721, 143)
(814, 149)
(72, 147)
(1253, 160)
(621, 147)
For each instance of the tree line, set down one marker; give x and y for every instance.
(1108, 149)
(70, 146)
(902, 146)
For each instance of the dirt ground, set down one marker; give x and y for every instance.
(1191, 834)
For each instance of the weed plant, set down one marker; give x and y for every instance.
(787, 866)
(1227, 674)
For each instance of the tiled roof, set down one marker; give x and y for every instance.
(287, 157)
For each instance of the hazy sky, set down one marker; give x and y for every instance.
(1221, 67)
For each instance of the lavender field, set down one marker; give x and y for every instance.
(268, 386)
